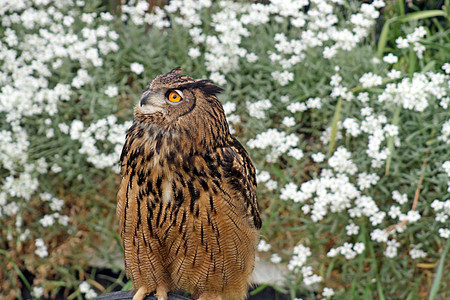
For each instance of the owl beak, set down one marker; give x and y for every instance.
(144, 99)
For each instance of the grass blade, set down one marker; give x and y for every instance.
(439, 273)
(401, 7)
(383, 38)
(334, 126)
(421, 15)
(127, 286)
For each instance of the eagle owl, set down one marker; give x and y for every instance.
(187, 207)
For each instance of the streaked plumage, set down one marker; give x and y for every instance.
(187, 206)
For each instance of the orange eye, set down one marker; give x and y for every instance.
(174, 97)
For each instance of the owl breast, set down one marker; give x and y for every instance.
(193, 217)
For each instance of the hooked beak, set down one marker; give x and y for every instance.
(144, 98)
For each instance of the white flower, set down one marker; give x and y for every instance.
(394, 212)
(314, 103)
(84, 287)
(288, 191)
(411, 217)
(377, 218)
(41, 249)
(437, 205)
(391, 249)
(112, 91)
(306, 209)
(369, 80)
(318, 157)
(312, 279)
(335, 80)
(38, 292)
(441, 217)
(445, 102)
(352, 126)
(296, 153)
(417, 253)
(271, 184)
(63, 220)
(55, 168)
(263, 246)
(402, 43)
(352, 229)
(229, 108)
(288, 121)
(81, 79)
(341, 162)
(400, 198)
(445, 137)
(332, 252)
(446, 68)
(359, 247)
(251, 57)
(444, 233)
(56, 204)
(218, 78)
(329, 52)
(275, 258)
(391, 130)
(297, 106)
(379, 235)
(91, 294)
(47, 221)
(257, 109)
(366, 180)
(394, 74)
(64, 128)
(283, 78)
(390, 58)
(194, 52)
(137, 68)
(327, 292)
(284, 98)
(301, 254)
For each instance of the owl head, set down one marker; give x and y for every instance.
(176, 103)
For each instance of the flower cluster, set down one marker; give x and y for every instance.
(86, 289)
(106, 131)
(278, 141)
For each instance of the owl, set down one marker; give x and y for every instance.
(188, 213)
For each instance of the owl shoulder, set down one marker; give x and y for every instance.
(238, 170)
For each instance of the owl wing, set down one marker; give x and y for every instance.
(239, 171)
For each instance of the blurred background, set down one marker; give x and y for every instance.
(343, 106)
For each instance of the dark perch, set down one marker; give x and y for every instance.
(128, 295)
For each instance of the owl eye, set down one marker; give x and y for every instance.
(174, 96)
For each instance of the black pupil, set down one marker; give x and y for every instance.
(174, 96)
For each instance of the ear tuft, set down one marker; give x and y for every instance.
(212, 89)
(177, 70)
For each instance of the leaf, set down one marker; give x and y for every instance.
(421, 15)
(427, 265)
(439, 273)
(384, 37)
(334, 126)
